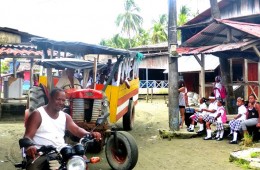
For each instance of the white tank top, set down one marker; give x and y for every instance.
(51, 131)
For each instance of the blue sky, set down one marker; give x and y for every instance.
(80, 20)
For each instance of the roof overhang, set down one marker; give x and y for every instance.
(80, 48)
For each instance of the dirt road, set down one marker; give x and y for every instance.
(154, 153)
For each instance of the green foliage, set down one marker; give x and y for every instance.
(244, 164)
(130, 22)
(4, 67)
(255, 155)
(247, 141)
(182, 18)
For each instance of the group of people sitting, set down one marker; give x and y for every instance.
(215, 113)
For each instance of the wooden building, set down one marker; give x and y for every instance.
(235, 36)
(154, 69)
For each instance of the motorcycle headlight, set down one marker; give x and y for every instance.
(76, 163)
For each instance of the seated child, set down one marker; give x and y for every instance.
(235, 124)
(198, 115)
(219, 117)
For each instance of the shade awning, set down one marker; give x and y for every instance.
(73, 63)
(80, 48)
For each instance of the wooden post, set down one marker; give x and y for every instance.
(95, 72)
(147, 94)
(231, 69)
(1, 82)
(246, 79)
(31, 72)
(49, 74)
(258, 79)
(173, 75)
(14, 67)
(151, 95)
(202, 75)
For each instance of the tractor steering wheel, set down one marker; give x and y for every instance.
(63, 87)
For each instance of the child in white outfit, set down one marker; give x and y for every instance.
(235, 124)
(198, 115)
(219, 117)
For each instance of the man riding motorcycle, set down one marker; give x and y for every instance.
(46, 126)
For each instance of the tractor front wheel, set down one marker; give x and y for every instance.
(125, 156)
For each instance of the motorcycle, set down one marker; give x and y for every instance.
(120, 149)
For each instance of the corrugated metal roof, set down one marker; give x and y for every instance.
(229, 46)
(252, 29)
(216, 33)
(19, 52)
(214, 48)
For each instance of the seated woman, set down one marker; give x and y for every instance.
(253, 118)
(235, 124)
(198, 115)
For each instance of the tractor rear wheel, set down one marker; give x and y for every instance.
(128, 118)
(37, 98)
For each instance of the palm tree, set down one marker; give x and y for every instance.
(130, 20)
(143, 38)
(116, 41)
(159, 33)
(182, 18)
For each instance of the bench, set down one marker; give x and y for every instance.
(252, 130)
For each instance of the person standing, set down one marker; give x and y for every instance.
(218, 88)
(183, 100)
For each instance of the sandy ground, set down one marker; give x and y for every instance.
(154, 153)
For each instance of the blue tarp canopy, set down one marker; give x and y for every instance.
(80, 48)
(62, 63)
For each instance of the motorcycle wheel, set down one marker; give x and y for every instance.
(126, 156)
(128, 118)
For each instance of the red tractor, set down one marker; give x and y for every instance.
(87, 105)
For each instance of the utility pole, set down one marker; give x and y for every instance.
(173, 76)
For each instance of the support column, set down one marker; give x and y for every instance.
(31, 72)
(231, 69)
(14, 68)
(202, 72)
(246, 79)
(258, 87)
(147, 93)
(1, 82)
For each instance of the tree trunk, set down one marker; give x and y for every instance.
(215, 13)
(224, 65)
(225, 74)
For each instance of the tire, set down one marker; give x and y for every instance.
(128, 118)
(128, 157)
(37, 98)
